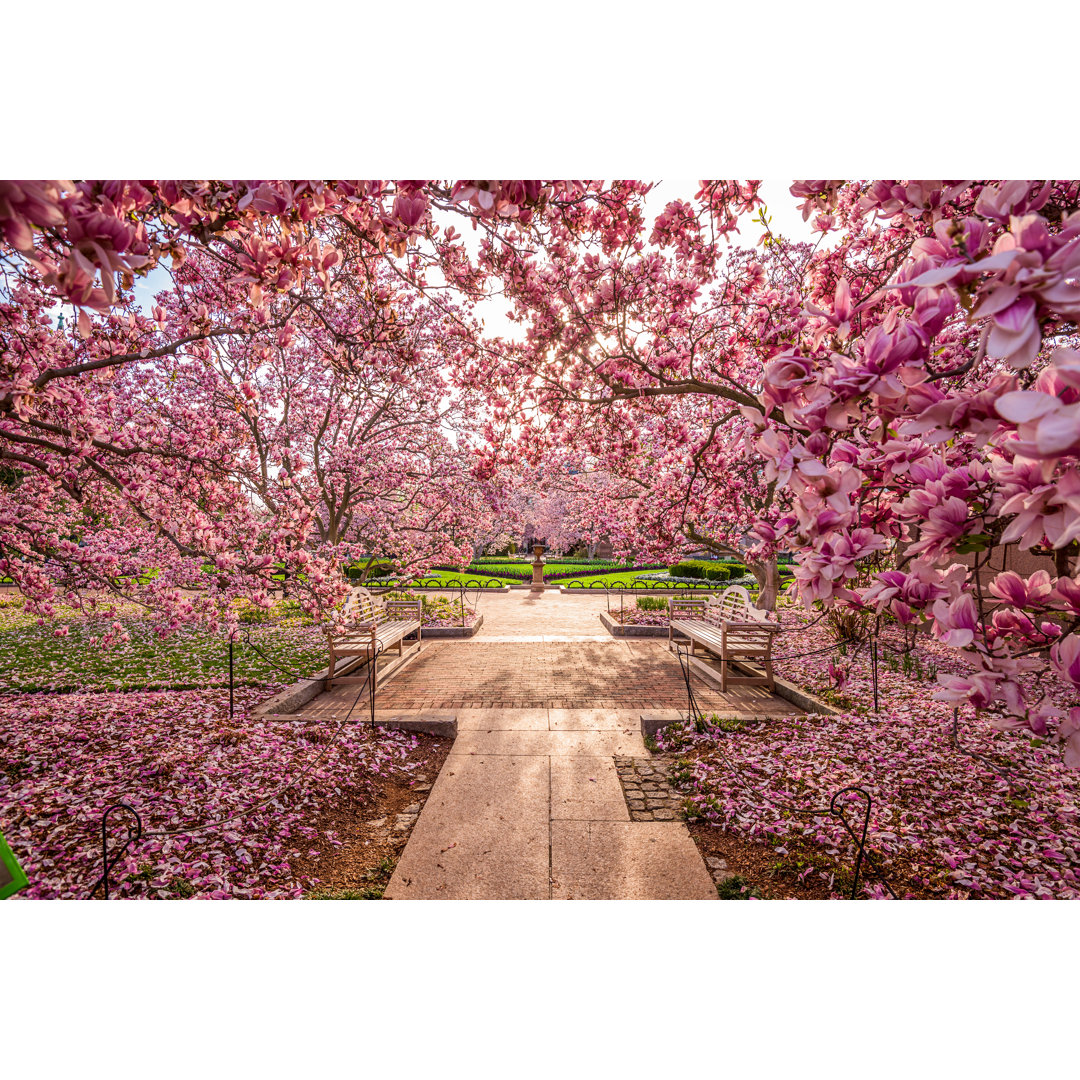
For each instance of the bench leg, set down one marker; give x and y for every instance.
(769, 674)
(330, 670)
(723, 675)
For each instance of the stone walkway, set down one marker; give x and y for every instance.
(529, 804)
(529, 807)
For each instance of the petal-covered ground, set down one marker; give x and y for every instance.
(226, 806)
(989, 814)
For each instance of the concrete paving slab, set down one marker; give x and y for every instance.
(640, 860)
(550, 743)
(473, 787)
(492, 859)
(544, 701)
(588, 720)
(586, 789)
(502, 719)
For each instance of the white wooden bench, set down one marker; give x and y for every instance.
(729, 627)
(373, 626)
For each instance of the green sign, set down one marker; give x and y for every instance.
(12, 878)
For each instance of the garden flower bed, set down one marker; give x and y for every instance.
(146, 720)
(636, 617)
(65, 654)
(437, 612)
(992, 816)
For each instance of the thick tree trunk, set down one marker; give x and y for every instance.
(767, 573)
(768, 579)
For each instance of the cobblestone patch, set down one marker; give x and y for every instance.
(718, 868)
(649, 796)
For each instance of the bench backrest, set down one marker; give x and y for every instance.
(732, 606)
(686, 607)
(362, 607)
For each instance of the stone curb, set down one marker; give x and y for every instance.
(618, 630)
(430, 723)
(652, 722)
(427, 723)
(437, 632)
(300, 693)
(806, 701)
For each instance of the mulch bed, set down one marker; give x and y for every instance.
(755, 863)
(369, 844)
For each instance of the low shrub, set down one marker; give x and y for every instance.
(847, 625)
(250, 615)
(736, 887)
(652, 603)
(707, 570)
(363, 571)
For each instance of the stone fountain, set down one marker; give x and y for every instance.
(538, 565)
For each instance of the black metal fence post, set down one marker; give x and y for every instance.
(874, 668)
(132, 837)
(231, 704)
(694, 716)
(371, 675)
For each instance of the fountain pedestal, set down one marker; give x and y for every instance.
(538, 564)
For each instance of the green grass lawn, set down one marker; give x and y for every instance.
(32, 658)
(555, 565)
(611, 577)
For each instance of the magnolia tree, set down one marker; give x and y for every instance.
(140, 420)
(929, 409)
(913, 386)
(643, 348)
(348, 409)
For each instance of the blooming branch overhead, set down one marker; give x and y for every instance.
(897, 404)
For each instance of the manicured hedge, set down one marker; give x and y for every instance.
(555, 570)
(378, 569)
(707, 570)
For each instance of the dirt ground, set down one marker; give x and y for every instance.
(370, 843)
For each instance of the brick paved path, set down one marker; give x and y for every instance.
(547, 675)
